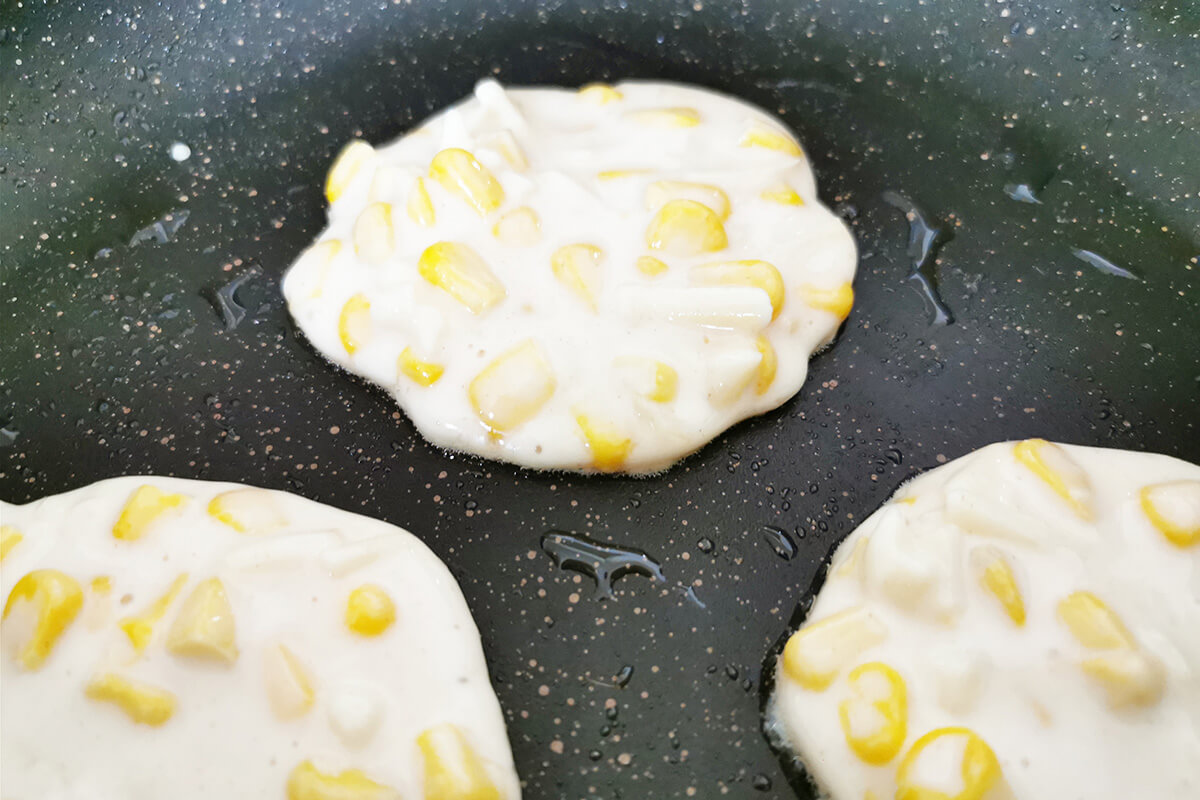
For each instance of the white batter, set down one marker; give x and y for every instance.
(166, 638)
(1023, 622)
(603, 279)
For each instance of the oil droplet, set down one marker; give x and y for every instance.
(624, 676)
(705, 545)
(924, 241)
(780, 541)
(1103, 264)
(163, 229)
(1021, 192)
(605, 563)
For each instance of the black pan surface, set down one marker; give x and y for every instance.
(143, 331)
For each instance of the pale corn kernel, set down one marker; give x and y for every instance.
(420, 205)
(385, 183)
(142, 509)
(782, 194)
(1174, 510)
(767, 368)
(759, 274)
(10, 537)
(422, 373)
(577, 266)
(744, 308)
(346, 167)
(1093, 624)
(306, 782)
(837, 301)
(512, 388)
(1130, 678)
(816, 653)
(319, 258)
(660, 193)
(289, 686)
(204, 627)
(998, 578)
(849, 566)
(140, 627)
(686, 228)
(608, 445)
(463, 274)
(101, 584)
(762, 136)
(505, 144)
(1056, 469)
(978, 772)
(673, 117)
(355, 712)
(247, 510)
(369, 610)
(519, 227)
(650, 266)
(459, 173)
(42, 605)
(600, 94)
(453, 770)
(730, 371)
(374, 235)
(354, 323)
(141, 702)
(653, 380)
(618, 174)
(875, 717)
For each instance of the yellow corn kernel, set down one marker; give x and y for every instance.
(504, 143)
(142, 509)
(600, 94)
(817, 652)
(758, 274)
(998, 578)
(783, 194)
(141, 702)
(513, 388)
(460, 174)
(247, 510)
(978, 768)
(140, 627)
(204, 627)
(519, 227)
(453, 770)
(618, 174)
(608, 444)
(420, 206)
(374, 235)
(762, 136)
(837, 301)
(767, 367)
(686, 228)
(654, 380)
(369, 610)
(319, 258)
(577, 266)
(666, 383)
(875, 717)
(422, 373)
(102, 584)
(1056, 469)
(650, 266)
(1130, 677)
(43, 605)
(289, 687)
(308, 783)
(659, 193)
(674, 117)
(10, 537)
(1174, 509)
(354, 323)
(346, 167)
(460, 272)
(1093, 624)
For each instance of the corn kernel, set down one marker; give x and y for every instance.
(10, 537)
(618, 174)
(686, 228)
(385, 183)
(577, 266)
(289, 686)
(355, 712)
(43, 604)
(519, 227)
(513, 388)
(101, 584)
(600, 94)
(978, 768)
(608, 445)
(453, 770)
(141, 702)
(650, 266)
(346, 167)
(369, 610)
(666, 384)
(849, 566)
(140, 627)
(142, 509)
(762, 136)
(767, 368)
(422, 373)
(837, 301)
(998, 578)
(354, 323)
(308, 783)
(1093, 624)
(505, 144)
(654, 380)
(783, 194)
(816, 653)
(1130, 678)
(730, 371)
(875, 717)
(675, 117)
(204, 627)
(460, 174)
(727, 307)
(758, 274)
(1174, 509)
(374, 236)
(420, 205)
(319, 258)
(1056, 469)
(460, 272)
(247, 510)
(659, 193)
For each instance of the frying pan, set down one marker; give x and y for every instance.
(143, 330)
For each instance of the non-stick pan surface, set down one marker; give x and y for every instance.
(125, 350)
